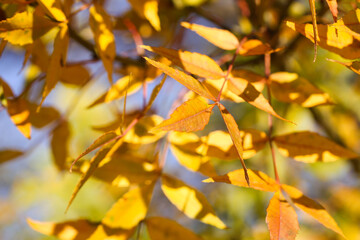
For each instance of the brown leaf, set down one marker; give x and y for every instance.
(333, 8)
(312, 208)
(310, 147)
(60, 144)
(186, 80)
(191, 116)
(192, 62)
(45, 116)
(219, 37)
(258, 180)
(281, 219)
(9, 154)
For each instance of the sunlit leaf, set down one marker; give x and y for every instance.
(101, 26)
(310, 147)
(57, 61)
(186, 80)
(234, 132)
(130, 209)
(60, 144)
(257, 80)
(312, 208)
(250, 94)
(190, 201)
(147, 9)
(100, 141)
(289, 87)
(18, 110)
(52, 8)
(165, 229)
(191, 116)
(23, 28)
(191, 62)
(258, 180)
(281, 219)
(219, 37)
(342, 37)
(107, 233)
(333, 8)
(9, 154)
(254, 47)
(140, 134)
(70, 230)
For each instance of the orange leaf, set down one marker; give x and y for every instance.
(191, 116)
(312, 207)
(186, 80)
(9, 154)
(289, 87)
(250, 94)
(258, 180)
(254, 47)
(194, 63)
(219, 37)
(59, 144)
(310, 147)
(281, 219)
(165, 229)
(333, 8)
(235, 134)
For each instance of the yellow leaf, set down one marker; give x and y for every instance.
(147, 9)
(105, 233)
(118, 90)
(191, 116)
(255, 79)
(214, 87)
(18, 110)
(194, 63)
(59, 144)
(250, 94)
(310, 147)
(130, 209)
(289, 87)
(140, 134)
(354, 66)
(9, 154)
(70, 230)
(25, 27)
(234, 132)
(165, 229)
(186, 80)
(190, 201)
(219, 37)
(101, 26)
(154, 94)
(281, 219)
(52, 8)
(254, 47)
(57, 61)
(312, 208)
(342, 37)
(45, 116)
(258, 180)
(333, 8)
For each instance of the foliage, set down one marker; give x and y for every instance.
(131, 152)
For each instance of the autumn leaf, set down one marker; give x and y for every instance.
(59, 144)
(341, 37)
(219, 37)
(154, 94)
(258, 180)
(281, 219)
(333, 8)
(140, 134)
(101, 26)
(147, 9)
(44, 117)
(234, 132)
(194, 63)
(312, 208)
(165, 229)
(9, 154)
(250, 94)
(254, 47)
(25, 27)
(353, 66)
(311, 147)
(186, 80)
(190, 201)
(130, 209)
(18, 110)
(105, 232)
(289, 87)
(52, 9)
(191, 116)
(75, 75)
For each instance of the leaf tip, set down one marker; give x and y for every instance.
(208, 180)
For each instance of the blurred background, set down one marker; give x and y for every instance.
(32, 185)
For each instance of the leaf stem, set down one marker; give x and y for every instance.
(267, 62)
